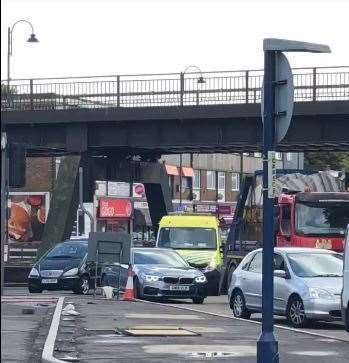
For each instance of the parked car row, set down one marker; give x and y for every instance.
(158, 273)
(308, 282)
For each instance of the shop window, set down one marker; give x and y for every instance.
(235, 181)
(278, 156)
(211, 180)
(221, 181)
(185, 183)
(196, 179)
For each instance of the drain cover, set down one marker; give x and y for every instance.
(151, 332)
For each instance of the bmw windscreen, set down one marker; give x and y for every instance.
(166, 258)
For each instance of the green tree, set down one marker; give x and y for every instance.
(326, 159)
(7, 90)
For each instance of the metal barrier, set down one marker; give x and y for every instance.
(173, 89)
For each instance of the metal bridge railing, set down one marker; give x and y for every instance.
(174, 89)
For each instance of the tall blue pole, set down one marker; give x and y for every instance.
(267, 345)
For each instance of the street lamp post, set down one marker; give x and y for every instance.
(200, 80)
(277, 109)
(31, 39)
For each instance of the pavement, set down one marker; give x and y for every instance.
(22, 334)
(96, 335)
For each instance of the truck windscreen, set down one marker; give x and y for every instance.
(322, 218)
(188, 238)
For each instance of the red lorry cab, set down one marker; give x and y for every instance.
(311, 219)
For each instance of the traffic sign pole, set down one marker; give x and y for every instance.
(267, 345)
(277, 103)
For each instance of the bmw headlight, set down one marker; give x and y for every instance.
(151, 278)
(200, 279)
(34, 272)
(316, 293)
(72, 272)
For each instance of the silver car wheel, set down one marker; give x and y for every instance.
(238, 305)
(297, 313)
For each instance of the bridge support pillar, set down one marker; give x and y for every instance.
(63, 205)
(157, 190)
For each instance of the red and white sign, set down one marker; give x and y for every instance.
(138, 190)
(115, 208)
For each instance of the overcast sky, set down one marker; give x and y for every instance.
(97, 37)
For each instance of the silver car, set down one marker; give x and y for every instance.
(307, 285)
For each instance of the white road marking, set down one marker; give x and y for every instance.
(315, 353)
(163, 316)
(181, 349)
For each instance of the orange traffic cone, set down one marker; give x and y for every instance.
(129, 293)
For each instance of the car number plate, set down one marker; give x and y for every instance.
(179, 288)
(49, 281)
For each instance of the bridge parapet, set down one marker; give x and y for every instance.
(172, 89)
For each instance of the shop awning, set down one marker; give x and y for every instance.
(187, 172)
(172, 169)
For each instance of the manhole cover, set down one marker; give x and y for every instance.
(151, 332)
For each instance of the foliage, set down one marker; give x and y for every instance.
(7, 90)
(326, 159)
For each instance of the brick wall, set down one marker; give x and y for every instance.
(40, 175)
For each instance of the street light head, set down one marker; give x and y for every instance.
(201, 80)
(33, 39)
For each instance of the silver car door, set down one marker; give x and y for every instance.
(281, 285)
(252, 282)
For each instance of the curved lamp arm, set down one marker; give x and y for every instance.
(193, 66)
(12, 28)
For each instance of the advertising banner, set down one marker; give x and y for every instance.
(115, 208)
(26, 221)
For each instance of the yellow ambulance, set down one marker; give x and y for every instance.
(197, 239)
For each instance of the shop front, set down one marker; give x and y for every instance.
(114, 215)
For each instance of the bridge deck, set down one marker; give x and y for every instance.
(197, 112)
